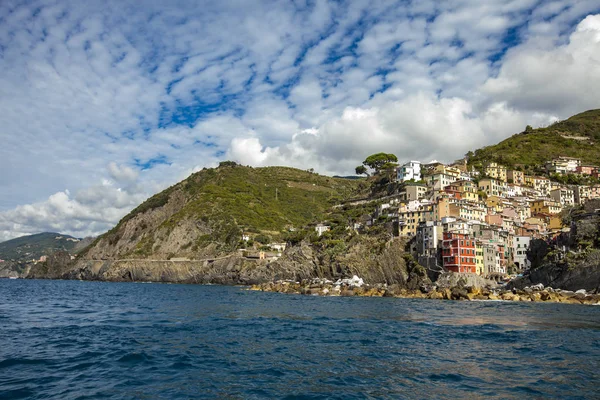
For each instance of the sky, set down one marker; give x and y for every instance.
(104, 103)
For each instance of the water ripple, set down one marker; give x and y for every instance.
(71, 340)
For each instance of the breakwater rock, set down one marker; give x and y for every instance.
(347, 288)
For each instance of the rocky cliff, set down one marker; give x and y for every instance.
(567, 274)
(299, 262)
(205, 215)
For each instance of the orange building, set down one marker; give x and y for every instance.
(458, 252)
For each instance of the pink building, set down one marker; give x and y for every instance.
(586, 169)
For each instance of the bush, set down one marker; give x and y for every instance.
(263, 239)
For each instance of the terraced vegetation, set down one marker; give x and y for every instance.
(530, 149)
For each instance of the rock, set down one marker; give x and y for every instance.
(545, 296)
(355, 281)
(453, 280)
(474, 290)
(347, 293)
(581, 291)
(538, 287)
(493, 296)
(509, 296)
(435, 295)
(458, 294)
(579, 296)
(447, 294)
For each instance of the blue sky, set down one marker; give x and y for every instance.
(106, 102)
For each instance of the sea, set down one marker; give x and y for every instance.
(97, 340)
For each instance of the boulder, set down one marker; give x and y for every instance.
(493, 296)
(459, 293)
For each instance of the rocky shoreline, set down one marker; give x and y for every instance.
(355, 287)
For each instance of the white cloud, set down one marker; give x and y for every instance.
(122, 173)
(562, 80)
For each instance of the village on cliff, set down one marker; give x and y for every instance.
(482, 221)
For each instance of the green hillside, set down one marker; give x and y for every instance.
(31, 247)
(578, 136)
(214, 206)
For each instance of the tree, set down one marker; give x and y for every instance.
(381, 161)
(361, 169)
(528, 129)
(263, 239)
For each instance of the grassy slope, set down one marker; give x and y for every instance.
(34, 246)
(232, 199)
(266, 199)
(543, 144)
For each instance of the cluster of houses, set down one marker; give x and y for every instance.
(480, 221)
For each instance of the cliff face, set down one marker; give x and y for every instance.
(205, 215)
(582, 274)
(299, 262)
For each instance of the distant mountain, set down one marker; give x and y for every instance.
(578, 136)
(27, 248)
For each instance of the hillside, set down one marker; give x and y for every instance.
(578, 136)
(206, 214)
(27, 248)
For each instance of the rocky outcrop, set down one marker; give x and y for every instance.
(54, 267)
(10, 269)
(232, 270)
(573, 276)
(453, 280)
(300, 262)
(348, 288)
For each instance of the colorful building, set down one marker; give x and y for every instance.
(545, 206)
(492, 187)
(458, 252)
(516, 177)
(493, 170)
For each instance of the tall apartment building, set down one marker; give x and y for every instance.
(458, 252)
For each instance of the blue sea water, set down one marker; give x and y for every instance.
(78, 340)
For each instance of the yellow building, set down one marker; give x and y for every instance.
(445, 170)
(492, 187)
(516, 177)
(479, 269)
(495, 203)
(538, 183)
(544, 206)
(493, 170)
(555, 223)
(467, 212)
(468, 190)
(409, 220)
(442, 208)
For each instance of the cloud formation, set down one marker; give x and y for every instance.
(104, 103)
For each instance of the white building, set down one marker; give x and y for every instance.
(520, 246)
(409, 171)
(562, 165)
(564, 196)
(320, 228)
(440, 181)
